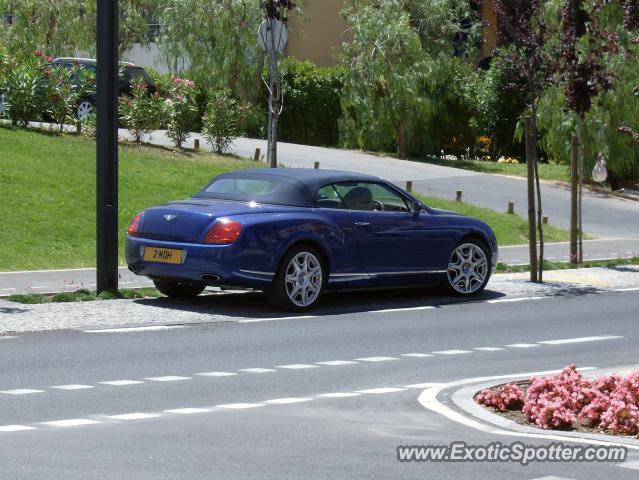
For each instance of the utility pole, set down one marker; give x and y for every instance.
(107, 146)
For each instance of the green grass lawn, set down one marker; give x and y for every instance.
(509, 229)
(547, 171)
(48, 196)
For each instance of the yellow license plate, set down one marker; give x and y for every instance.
(162, 255)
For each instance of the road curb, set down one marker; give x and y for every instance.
(463, 399)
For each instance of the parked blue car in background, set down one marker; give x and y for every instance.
(295, 233)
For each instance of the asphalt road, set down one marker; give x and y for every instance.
(132, 404)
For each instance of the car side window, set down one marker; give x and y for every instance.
(371, 196)
(328, 197)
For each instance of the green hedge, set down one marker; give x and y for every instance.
(312, 106)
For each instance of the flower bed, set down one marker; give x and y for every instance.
(568, 401)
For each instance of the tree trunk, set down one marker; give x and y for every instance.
(401, 142)
(540, 227)
(530, 166)
(574, 174)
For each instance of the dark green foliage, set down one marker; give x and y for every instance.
(311, 103)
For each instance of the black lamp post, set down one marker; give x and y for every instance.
(107, 145)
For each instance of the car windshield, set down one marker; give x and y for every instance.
(270, 190)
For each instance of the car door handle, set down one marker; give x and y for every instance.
(362, 224)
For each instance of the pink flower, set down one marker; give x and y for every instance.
(38, 53)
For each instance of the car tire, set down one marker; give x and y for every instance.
(468, 269)
(84, 109)
(179, 289)
(4, 110)
(299, 282)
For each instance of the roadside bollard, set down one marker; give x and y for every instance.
(316, 166)
(511, 208)
(409, 186)
(256, 157)
(196, 144)
(459, 195)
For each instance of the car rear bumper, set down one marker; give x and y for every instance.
(215, 265)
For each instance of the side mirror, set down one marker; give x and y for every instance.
(417, 207)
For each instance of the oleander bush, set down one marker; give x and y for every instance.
(221, 122)
(567, 400)
(142, 112)
(181, 110)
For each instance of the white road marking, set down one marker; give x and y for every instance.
(512, 300)
(488, 349)
(257, 370)
(338, 395)
(74, 422)
(239, 406)
(408, 309)
(134, 416)
(275, 319)
(416, 355)
(121, 383)
(153, 328)
(216, 374)
(452, 352)
(21, 391)
(72, 387)
(422, 385)
(552, 477)
(632, 465)
(376, 359)
(168, 378)
(633, 289)
(15, 428)
(7, 337)
(39, 287)
(297, 366)
(337, 363)
(381, 390)
(522, 345)
(579, 340)
(8, 289)
(428, 399)
(188, 411)
(287, 401)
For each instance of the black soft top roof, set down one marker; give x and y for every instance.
(302, 183)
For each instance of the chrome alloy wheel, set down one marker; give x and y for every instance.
(303, 279)
(467, 268)
(84, 110)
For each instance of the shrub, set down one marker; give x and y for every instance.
(221, 120)
(141, 113)
(181, 110)
(312, 103)
(506, 397)
(23, 90)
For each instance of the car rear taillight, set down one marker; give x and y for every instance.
(225, 231)
(135, 225)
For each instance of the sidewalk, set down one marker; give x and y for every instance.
(241, 306)
(54, 281)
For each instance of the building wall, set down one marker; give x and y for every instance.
(489, 29)
(323, 31)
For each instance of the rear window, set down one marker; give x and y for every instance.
(272, 190)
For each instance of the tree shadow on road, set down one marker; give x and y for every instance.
(255, 305)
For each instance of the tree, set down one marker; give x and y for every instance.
(398, 49)
(62, 27)
(215, 42)
(526, 43)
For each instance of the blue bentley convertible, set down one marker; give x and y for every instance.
(295, 233)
